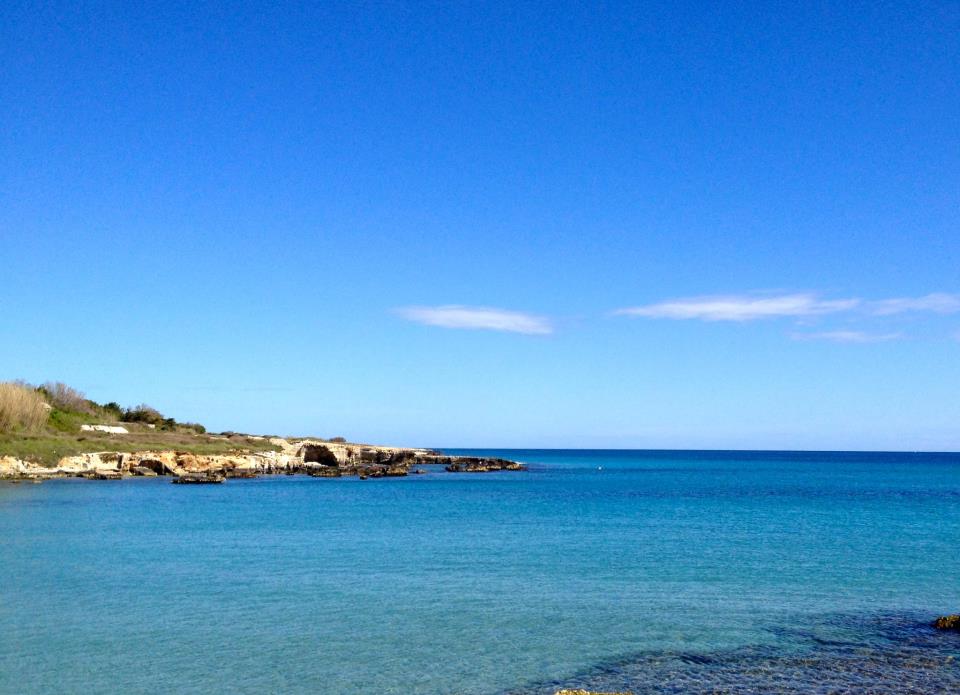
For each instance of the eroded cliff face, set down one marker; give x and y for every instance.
(310, 457)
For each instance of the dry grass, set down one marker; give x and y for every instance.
(21, 408)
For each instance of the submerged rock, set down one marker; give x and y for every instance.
(878, 653)
(323, 472)
(948, 622)
(199, 478)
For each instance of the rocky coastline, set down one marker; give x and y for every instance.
(315, 458)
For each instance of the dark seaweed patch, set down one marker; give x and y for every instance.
(879, 653)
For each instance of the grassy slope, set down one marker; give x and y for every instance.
(62, 437)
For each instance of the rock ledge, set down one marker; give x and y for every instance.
(318, 459)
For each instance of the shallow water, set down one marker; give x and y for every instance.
(651, 571)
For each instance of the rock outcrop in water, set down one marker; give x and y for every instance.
(948, 622)
(471, 464)
(199, 478)
(315, 458)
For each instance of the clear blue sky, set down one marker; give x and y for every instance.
(503, 224)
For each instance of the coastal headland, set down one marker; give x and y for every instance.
(309, 457)
(54, 431)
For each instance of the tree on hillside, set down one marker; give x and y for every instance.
(65, 397)
(143, 413)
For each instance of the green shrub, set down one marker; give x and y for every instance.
(145, 414)
(66, 421)
(112, 410)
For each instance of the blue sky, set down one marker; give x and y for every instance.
(500, 224)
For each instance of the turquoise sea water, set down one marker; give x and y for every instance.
(653, 571)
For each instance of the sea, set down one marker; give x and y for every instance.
(639, 571)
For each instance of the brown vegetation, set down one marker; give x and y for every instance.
(21, 408)
(65, 397)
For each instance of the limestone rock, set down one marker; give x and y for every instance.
(109, 429)
(319, 454)
(87, 463)
(11, 467)
(311, 457)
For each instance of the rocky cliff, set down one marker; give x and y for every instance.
(310, 457)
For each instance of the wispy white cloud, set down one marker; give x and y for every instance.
(848, 336)
(937, 302)
(740, 307)
(478, 318)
